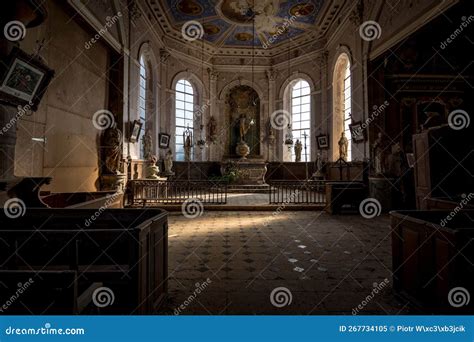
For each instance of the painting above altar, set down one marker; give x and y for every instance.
(243, 110)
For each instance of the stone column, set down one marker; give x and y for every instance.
(325, 101)
(8, 117)
(271, 75)
(164, 115)
(213, 103)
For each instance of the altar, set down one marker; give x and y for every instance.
(245, 171)
(244, 166)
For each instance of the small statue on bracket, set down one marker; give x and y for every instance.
(169, 163)
(343, 146)
(298, 149)
(379, 155)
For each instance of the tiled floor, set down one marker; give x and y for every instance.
(230, 262)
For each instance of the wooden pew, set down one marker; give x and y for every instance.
(124, 249)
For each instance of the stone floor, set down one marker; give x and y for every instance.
(313, 263)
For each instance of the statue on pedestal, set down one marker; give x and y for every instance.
(169, 163)
(379, 155)
(151, 170)
(343, 146)
(319, 166)
(112, 145)
(187, 148)
(298, 149)
(147, 146)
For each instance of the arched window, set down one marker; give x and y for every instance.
(142, 102)
(347, 109)
(342, 97)
(301, 117)
(184, 114)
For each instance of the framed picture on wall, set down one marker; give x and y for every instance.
(323, 141)
(135, 130)
(24, 79)
(358, 133)
(164, 140)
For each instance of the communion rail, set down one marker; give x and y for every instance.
(147, 192)
(297, 192)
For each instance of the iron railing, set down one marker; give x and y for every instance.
(297, 192)
(144, 192)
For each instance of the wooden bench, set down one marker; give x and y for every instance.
(124, 249)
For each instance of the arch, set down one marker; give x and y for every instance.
(238, 82)
(147, 99)
(342, 102)
(289, 98)
(195, 81)
(293, 78)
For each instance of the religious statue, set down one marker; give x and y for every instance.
(112, 144)
(343, 146)
(187, 148)
(151, 170)
(168, 162)
(298, 149)
(212, 129)
(379, 155)
(147, 146)
(319, 166)
(243, 126)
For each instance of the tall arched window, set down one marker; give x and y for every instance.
(142, 102)
(347, 109)
(301, 117)
(342, 97)
(184, 114)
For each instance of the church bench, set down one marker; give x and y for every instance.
(432, 255)
(125, 249)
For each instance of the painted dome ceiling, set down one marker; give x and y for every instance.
(230, 23)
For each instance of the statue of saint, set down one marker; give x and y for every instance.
(187, 148)
(169, 162)
(212, 129)
(112, 142)
(319, 165)
(298, 149)
(147, 146)
(151, 169)
(379, 155)
(343, 146)
(243, 126)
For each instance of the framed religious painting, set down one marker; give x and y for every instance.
(24, 79)
(164, 140)
(323, 141)
(135, 130)
(358, 132)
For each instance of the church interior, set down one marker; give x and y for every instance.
(236, 157)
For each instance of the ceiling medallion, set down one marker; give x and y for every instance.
(189, 7)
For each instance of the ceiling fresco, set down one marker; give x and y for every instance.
(231, 23)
